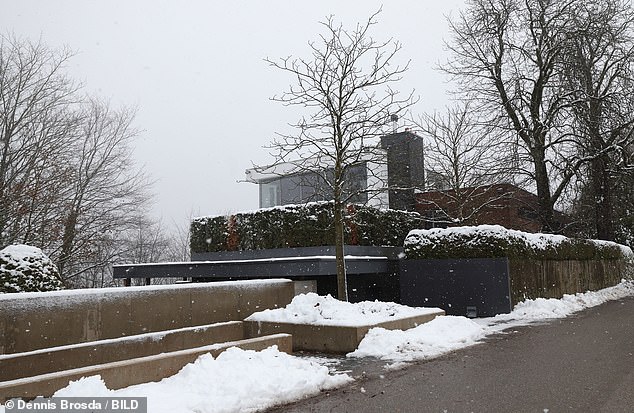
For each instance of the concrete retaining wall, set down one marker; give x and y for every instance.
(531, 279)
(484, 287)
(332, 339)
(30, 321)
(50, 360)
(125, 373)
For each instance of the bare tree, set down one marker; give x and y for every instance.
(144, 239)
(68, 184)
(346, 85)
(599, 75)
(35, 121)
(465, 155)
(507, 59)
(107, 192)
(179, 239)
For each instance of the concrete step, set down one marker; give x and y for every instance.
(50, 360)
(333, 338)
(120, 374)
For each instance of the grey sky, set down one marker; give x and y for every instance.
(195, 71)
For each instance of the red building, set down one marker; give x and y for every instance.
(499, 204)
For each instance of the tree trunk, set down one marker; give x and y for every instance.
(342, 280)
(602, 196)
(68, 241)
(544, 197)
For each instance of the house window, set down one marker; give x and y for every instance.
(270, 194)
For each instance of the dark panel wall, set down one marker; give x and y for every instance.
(467, 287)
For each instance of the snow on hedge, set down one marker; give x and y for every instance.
(303, 225)
(496, 241)
(236, 381)
(24, 268)
(314, 309)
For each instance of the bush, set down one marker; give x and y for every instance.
(210, 233)
(309, 225)
(492, 241)
(24, 268)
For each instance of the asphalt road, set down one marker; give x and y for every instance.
(584, 363)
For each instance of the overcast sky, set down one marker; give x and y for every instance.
(195, 72)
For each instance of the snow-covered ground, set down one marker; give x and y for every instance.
(236, 381)
(247, 381)
(445, 334)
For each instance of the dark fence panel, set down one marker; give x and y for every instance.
(476, 287)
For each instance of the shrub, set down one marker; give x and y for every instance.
(492, 241)
(309, 225)
(24, 268)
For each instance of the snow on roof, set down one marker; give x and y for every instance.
(252, 260)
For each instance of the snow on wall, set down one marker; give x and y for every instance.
(38, 320)
(81, 294)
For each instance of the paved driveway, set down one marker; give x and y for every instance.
(584, 363)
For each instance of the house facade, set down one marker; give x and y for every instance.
(386, 178)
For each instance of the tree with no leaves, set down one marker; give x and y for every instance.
(67, 180)
(35, 94)
(556, 75)
(507, 59)
(346, 85)
(599, 76)
(105, 192)
(466, 156)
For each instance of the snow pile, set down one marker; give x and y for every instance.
(439, 336)
(549, 308)
(25, 268)
(314, 309)
(236, 381)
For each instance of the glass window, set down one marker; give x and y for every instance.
(270, 194)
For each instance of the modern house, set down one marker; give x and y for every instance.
(387, 177)
(294, 245)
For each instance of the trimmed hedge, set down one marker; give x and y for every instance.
(493, 241)
(309, 225)
(208, 231)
